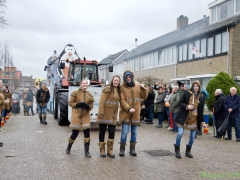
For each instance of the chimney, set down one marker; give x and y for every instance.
(204, 19)
(182, 21)
(136, 42)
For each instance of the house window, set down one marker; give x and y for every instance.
(214, 14)
(180, 53)
(203, 47)
(159, 57)
(189, 52)
(237, 6)
(135, 64)
(218, 44)
(170, 57)
(197, 45)
(184, 52)
(224, 42)
(140, 63)
(27, 83)
(173, 54)
(225, 10)
(165, 56)
(210, 46)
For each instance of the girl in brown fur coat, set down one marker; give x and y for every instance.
(107, 115)
(81, 102)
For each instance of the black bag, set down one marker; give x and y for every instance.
(223, 128)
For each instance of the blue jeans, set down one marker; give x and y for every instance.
(179, 136)
(237, 127)
(150, 113)
(125, 130)
(42, 110)
(160, 118)
(4, 113)
(168, 114)
(174, 116)
(30, 107)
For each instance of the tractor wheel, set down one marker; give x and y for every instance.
(63, 108)
(55, 98)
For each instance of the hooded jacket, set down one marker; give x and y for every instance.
(184, 102)
(7, 95)
(131, 96)
(42, 96)
(174, 106)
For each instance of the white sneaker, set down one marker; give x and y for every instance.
(169, 128)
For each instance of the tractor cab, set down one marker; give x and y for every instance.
(77, 73)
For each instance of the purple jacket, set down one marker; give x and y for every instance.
(234, 103)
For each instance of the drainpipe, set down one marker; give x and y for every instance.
(228, 51)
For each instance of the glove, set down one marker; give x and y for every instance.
(100, 116)
(79, 105)
(86, 106)
(119, 124)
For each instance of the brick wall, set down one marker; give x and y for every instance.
(165, 73)
(202, 66)
(235, 50)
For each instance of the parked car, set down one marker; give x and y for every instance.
(15, 103)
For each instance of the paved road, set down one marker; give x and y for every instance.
(39, 153)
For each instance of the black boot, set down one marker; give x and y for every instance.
(122, 149)
(132, 148)
(86, 147)
(177, 151)
(40, 117)
(44, 119)
(188, 151)
(70, 143)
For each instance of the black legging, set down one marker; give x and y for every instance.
(75, 134)
(102, 130)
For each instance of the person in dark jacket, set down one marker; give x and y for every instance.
(42, 98)
(218, 110)
(232, 105)
(29, 100)
(160, 105)
(203, 98)
(189, 116)
(149, 104)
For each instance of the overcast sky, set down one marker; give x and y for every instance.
(96, 28)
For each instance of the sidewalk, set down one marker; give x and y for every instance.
(35, 151)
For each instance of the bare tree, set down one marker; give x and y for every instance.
(3, 21)
(149, 80)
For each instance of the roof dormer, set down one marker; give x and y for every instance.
(221, 9)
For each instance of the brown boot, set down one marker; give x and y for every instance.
(132, 148)
(110, 148)
(86, 147)
(102, 149)
(70, 143)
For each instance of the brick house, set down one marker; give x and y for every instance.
(11, 77)
(170, 56)
(28, 82)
